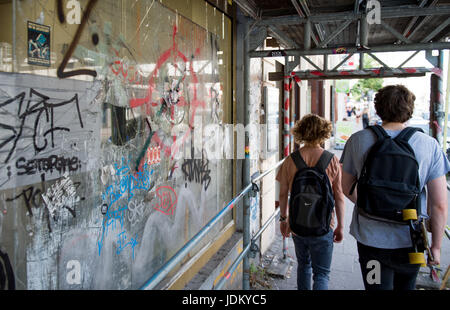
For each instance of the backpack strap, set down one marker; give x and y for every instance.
(324, 160)
(379, 132)
(407, 133)
(298, 160)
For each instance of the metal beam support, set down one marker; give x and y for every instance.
(428, 38)
(248, 7)
(349, 50)
(386, 13)
(282, 37)
(396, 34)
(408, 59)
(436, 31)
(257, 37)
(297, 8)
(292, 64)
(378, 60)
(286, 110)
(246, 179)
(319, 29)
(312, 63)
(342, 62)
(307, 36)
(414, 19)
(353, 74)
(335, 33)
(437, 113)
(364, 34)
(424, 21)
(286, 117)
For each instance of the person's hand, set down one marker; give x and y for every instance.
(285, 229)
(338, 234)
(436, 257)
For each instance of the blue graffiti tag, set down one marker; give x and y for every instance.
(122, 237)
(111, 219)
(127, 183)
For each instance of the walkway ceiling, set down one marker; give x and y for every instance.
(413, 19)
(327, 27)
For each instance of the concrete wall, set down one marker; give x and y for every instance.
(97, 188)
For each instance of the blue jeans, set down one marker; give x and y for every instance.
(314, 258)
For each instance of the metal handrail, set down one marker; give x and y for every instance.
(178, 257)
(245, 252)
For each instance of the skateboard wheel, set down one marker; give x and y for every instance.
(417, 258)
(409, 214)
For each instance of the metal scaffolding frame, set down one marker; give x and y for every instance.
(404, 41)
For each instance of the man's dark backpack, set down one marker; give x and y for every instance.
(311, 202)
(389, 181)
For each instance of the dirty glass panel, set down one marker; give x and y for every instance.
(106, 137)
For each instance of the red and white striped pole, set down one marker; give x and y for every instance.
(286, 110)
(287, 128)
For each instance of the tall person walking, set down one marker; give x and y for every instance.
(387, 169)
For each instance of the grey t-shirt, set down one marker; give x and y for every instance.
(432, 164)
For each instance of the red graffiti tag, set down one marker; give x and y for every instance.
(195, 103)
(168, 200)
(126, 72)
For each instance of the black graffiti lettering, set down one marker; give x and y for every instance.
(49, 164)
(29, 197)
(197, 170)
(61, 73)
(16, 135)
(43, 111)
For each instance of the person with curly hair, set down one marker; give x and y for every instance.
(314, 253)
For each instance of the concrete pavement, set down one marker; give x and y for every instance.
(345, 269)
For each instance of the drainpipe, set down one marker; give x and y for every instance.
(246, 168)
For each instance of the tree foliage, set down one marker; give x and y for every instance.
(363, 86)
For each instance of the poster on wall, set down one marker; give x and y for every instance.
(344, 129)
(38, 44)
(48, 127)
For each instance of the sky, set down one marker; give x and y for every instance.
(420, 86)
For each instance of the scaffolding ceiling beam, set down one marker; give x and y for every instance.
(349, 50)
(386, 13)
(353, 74)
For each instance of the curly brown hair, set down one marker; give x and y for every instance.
(394, 103)
(312, 129)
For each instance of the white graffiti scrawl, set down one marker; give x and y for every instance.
(61, 195)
